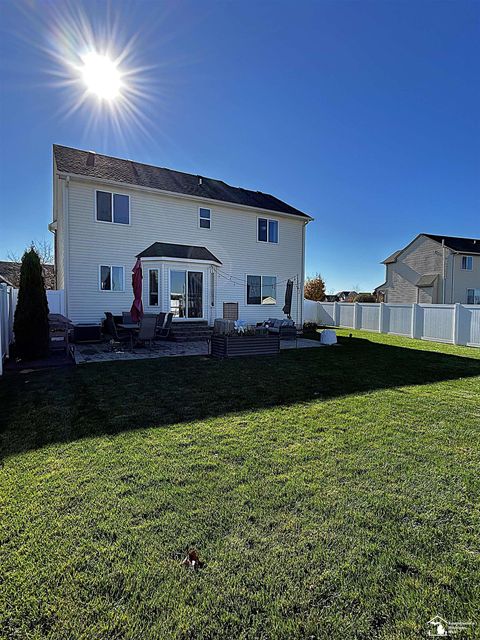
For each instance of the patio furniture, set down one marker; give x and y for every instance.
(110, 328)
(59, 327)
(164, 332)
(222, 327)
(160, 319)
(127, 317)
(286, 329)
(87, 332)
(147, 329)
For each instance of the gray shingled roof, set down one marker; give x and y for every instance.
(10, 274)
(393, 257)
(74, 161)
(462, 245)
(182, 251)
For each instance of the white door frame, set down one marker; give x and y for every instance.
(186, 269)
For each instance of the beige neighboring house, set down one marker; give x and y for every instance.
(433, 269)
(10, 274)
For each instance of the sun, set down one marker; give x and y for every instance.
(101, 76)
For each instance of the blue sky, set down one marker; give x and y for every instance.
(363, 114)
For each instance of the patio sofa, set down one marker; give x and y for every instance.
(285, 328)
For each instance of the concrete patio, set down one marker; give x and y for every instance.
(102, 352)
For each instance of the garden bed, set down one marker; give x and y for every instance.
(232, 346)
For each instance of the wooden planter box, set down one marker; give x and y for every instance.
(230, 346)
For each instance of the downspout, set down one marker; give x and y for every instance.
(302, 283)
(444, 283)
(66, 220)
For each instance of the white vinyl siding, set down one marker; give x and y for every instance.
(159, 217)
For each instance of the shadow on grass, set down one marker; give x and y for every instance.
(67, 404)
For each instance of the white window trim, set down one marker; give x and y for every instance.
(199, 218)
(112, 193)
(466, 258)
(148, 287)
(260, 304)
(267, 241)
(472, 289)
(118, 266)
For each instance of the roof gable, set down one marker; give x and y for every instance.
(95, 165)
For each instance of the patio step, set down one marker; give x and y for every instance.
(190, 331)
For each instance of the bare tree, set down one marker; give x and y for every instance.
(43, 248)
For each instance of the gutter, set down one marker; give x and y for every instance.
(183, 196)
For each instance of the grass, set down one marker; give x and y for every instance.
(332, 493)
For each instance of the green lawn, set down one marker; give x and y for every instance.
(332, 493)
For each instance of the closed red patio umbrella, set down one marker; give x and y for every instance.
(137, 307)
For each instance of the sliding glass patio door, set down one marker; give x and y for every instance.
(186, 294)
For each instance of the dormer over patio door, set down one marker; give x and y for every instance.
(186, 294)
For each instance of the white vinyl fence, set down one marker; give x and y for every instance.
(454, 323)
(8, 302)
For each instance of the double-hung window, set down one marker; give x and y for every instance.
(153, 287)
(467, 263)
(112, 207)
(261, 290)
(473, 296)
(204, 218)
(111, 278)
(267, 230)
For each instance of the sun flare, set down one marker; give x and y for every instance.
(101, 76)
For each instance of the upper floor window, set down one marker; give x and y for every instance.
(204, 218)
(113, 207)
(261, 290)
(267, 230)
(467, 263)
(473, 296)
(111, 278)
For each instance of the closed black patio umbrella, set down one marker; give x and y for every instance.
(287, 309)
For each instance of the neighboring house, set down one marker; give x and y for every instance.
(345, 296)
(10, 274)
(434, 269)
(202, 242)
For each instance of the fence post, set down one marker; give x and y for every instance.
(336, 318)
(414, 327)
(380, 317)
(356, 315)
(457, 310)
(4, 328)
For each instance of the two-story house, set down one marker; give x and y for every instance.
(434, 269)
(201, 242)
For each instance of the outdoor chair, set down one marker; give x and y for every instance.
(127, 317)
(146, 333)
(160, 321)
(164, 331)
(110, 328)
